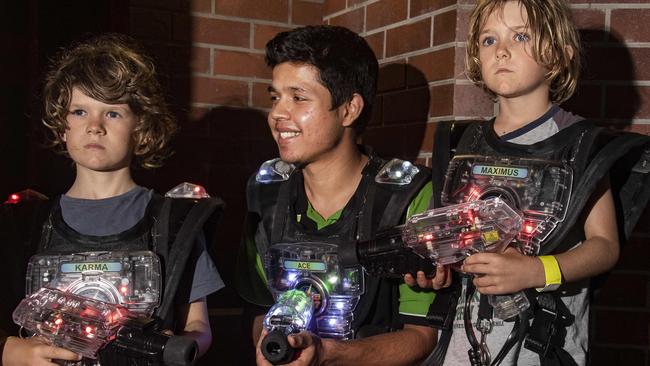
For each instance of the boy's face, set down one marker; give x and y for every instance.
(507, 64)
(300, 119)
(99, 136)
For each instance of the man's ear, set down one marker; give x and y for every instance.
(352, 110)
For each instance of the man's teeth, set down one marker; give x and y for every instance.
(286, 135)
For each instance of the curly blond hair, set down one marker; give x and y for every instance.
(112, 69)
(556, 43)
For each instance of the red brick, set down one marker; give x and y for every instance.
(631, 24)
(385, 12)
(419, 7)
(200, 61)
(150, 23)
(240, 64)
(216, 91)
(332, 6)
(459, 63)
(444, 28)
(435, 65)
(415, 76)
(352, 20)
(401, 141)
(590, 23)
(472, 101)
(621, 327)
(442, 100)
(427, 141)
(275, 10)
(627, 102)
(264, 33)
(376, 42)
(391, 76)
(307, 13)
(408, 38)
(201, 6)
(221, 32)
(261, 98)
(462, 25)
(406, 106)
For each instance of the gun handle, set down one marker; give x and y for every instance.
(276, 348)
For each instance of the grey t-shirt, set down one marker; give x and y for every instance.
(109, 216)
(574, 295)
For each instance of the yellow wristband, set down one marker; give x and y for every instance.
(552, 273)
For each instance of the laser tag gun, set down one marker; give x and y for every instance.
(95, 329)
(447, 235)
(442, 236)
(291, 314)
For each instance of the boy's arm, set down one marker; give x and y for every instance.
(512, 271)
(196, 322)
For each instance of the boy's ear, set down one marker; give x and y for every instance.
(64, 137)
(352, 109)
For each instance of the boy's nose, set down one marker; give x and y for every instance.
(95, 127)
(279, 111)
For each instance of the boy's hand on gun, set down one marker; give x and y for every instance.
(504, 273)
(34, 352)
(442, 279)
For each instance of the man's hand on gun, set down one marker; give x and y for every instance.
(308, 346)
(442, 279)
(504, 273)
(34, 351)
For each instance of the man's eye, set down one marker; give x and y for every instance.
(112, 114)
(488, 41)
(521, 37)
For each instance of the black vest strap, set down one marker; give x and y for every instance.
(182, 247)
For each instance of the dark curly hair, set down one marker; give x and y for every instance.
(345, 63)
(112, 69)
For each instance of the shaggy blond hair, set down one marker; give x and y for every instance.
(556, 44)
(112, 69)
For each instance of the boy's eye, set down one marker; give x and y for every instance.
(274, 97)
(521, 37)
(299, 98)
(113, 114)
(78, 112)
(488, 41)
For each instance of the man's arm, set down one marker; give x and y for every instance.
(409, 346)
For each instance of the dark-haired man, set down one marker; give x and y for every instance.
(327, 189)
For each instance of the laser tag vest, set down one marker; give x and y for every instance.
(375, 204)
(577, 158)
(169, 228)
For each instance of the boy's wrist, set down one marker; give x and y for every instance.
(552, 273)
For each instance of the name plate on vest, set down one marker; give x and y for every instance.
(88, 266)
(500, 171)
(305, 265)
